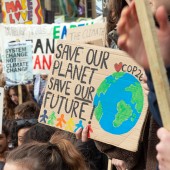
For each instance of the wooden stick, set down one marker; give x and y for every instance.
(155, 60)
(1, 107)
(20, 94)
(109, 164)
(48, 5)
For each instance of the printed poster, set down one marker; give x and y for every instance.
(18, 65)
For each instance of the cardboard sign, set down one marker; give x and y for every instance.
(1, 107)
(88, 34)
(18, 65)
(44, 38)
(98, 87)
(22, 12)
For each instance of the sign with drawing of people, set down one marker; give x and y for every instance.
(96, 87)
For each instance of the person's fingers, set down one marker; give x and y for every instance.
(131, 16)
(119, 164)
(146, 88)
(133, 11)
(121, 26)
(162, 17)
(122, 42)
(144, 78)
(161, 162)
(79, 133)
(162, 133)
(85, 134)
(122, 23)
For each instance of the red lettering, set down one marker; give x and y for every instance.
(17, 15)
(37, 63)
(47, 63)
(12, 21)
(11, 7)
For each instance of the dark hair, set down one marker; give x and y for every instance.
(57, 154)
(115, 10)
(39, 133)
(19, 124)
(10, 105)
(27, 110)
(5, 129)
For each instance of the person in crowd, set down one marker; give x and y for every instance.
(39, 132)
(27, 110)
(4, 137)
(42, 133)
(39, 88)
(127, 41)
(58, 153)
(12, 100)
(2, 165)
(20, 127)
(2, 76)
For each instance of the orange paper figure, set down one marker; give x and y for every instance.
(60, 121)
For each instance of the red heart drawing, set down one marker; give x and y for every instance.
(17, 15)
(118, 66)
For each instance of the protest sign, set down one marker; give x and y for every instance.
(18, 65)
(1, 107)
(88, 34)
(98, 87)
(99, 9)
(22, 12)
(44, 38)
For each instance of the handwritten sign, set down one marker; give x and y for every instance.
(44, 38)
(98, 87)
(87, 34)
(1, 107)
(18, 65)
(22, 12)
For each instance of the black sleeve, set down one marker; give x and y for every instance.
(153, 105)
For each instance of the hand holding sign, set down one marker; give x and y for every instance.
(85, 89)
(128, 42)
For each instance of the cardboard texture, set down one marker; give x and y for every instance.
(98, 87)
(1, 107)
(95, 33)
(157, 69)
(22, 12)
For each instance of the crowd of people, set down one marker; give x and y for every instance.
(26, 144)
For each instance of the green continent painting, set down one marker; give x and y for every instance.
(118, 103)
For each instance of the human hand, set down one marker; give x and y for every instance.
(119, 164)
(163, 148)
(145, 85)
(130, 37)
(82, 134)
